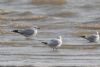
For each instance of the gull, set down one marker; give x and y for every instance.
(92, 38)
(54, 43)
(27, 32)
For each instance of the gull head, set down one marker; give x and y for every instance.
(59, 37)
(97, 32)
(36, 27)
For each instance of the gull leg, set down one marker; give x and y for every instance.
(54, 49)
(28, 38)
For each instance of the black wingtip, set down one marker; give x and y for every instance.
(44, 42)
(16, 31)
(82, 36)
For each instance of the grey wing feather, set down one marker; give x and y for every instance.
(54, 42)
(27, 32)
(92, 38)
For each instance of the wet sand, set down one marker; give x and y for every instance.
(70, 20)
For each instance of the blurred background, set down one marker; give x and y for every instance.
(68, 18)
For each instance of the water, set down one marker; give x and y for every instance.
(70, 20)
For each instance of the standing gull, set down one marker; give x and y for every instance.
(92, 38)
(54, 43)
(27, 32)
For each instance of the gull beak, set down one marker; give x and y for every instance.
(38, 28)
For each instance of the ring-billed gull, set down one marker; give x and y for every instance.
(54, 43)
(92, 38)
(27, 32)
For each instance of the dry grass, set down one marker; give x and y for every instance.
(6, 1)
(2, 17)
(86, 29)
(17, 66)
(3, 32)
(55, 2)
(64, 14)
(7, 42)
(80, 33)
(6, 12)
(21, 25)
(27, 15)
(89, 26)
(88, 46)
(28, 18)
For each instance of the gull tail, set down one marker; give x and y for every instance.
(44, 42)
